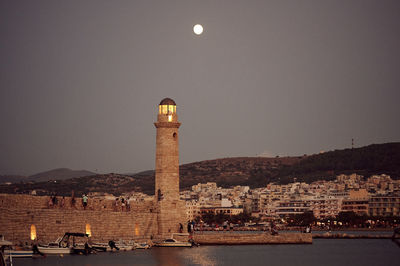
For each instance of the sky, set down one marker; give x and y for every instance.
(80, 81)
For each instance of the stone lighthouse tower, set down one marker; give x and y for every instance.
(170, 210)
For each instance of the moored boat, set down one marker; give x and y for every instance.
(82, 249)
(141, 246)
(99, 247)
(120, 245)
(19, 253)
(171, 242)
(64, 245)
(54, 250)
(4, 246)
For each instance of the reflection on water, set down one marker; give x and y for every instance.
(354, 252)
(200, 256)
(185, 256)
(168, 256)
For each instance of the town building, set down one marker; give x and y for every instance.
(356, 202)
(386, 205)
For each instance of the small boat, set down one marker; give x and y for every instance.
(99, 247)
(4, 246)
(19, 253)
(82, 249)
(171, 242)
(54, 250)
(141, 245)
(120, 245)
(64, 246)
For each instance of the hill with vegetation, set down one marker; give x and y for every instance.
(59, 174)
(227, 172)
(12, 178)
(366, 161)
(55, 174)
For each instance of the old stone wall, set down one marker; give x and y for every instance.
(19, 212)
(170, 215)
(42, 202)
(230, 238)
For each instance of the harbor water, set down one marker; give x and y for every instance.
(352, 252)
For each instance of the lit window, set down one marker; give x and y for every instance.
(170, 108)
(159, 109)
(165, 109)
(169, 118)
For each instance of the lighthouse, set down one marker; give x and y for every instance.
(170, 209)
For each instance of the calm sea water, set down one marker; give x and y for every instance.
(322, 252)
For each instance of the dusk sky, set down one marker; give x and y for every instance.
(80, 81)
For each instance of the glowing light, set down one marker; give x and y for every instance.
(198, 29)
(137, 231)
(164, 109)
(88, 231)
(167, 109)
(169, 118)
(33, 232)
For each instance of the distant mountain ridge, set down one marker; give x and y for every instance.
(369, 160)
(54, 174)
(228, 172)
(259, 171)
(59, 174)
(12, 178)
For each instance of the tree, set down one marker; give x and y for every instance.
(302, 219)
(219, 218)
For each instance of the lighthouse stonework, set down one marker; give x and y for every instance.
(170, 209)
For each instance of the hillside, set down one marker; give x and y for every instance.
(59, 174)
(366, 161)
(227, 172)
(12, 178)
(55, 174)
(109, 183)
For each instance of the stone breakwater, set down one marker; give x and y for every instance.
(19, 212)
(251, 239)
(353, 236)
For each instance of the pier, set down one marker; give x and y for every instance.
(251, 238)
(354, 236)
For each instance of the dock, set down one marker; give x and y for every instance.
(353, 236)
(251, 238)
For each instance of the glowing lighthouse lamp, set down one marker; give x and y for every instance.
(167, 111)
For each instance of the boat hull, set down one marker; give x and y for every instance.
(121, 248)
(19, 253)
(173, 245)
(142, 246)
(50, 250)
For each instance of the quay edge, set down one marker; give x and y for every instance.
(251, 239)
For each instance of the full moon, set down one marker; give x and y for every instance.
(198, 29)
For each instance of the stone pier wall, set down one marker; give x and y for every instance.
(230, 238)
(19, 212)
